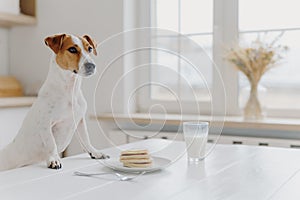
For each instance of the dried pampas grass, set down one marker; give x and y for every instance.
(254, 61)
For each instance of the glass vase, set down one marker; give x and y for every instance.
(253, 110)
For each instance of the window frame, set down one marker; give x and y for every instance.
(225, 33)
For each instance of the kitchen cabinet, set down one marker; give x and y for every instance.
(11, 120)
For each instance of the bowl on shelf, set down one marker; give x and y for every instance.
(10, 87)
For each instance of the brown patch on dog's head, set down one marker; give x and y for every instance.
(55, 42)
(69, 50)
(68, 56)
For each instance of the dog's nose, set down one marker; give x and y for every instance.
(89, 66)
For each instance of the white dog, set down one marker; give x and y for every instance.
(59, 110)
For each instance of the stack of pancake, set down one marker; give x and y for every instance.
(139, 158)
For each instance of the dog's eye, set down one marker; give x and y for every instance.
(90, 49)
(72, 50)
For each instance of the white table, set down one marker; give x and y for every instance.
(229, 172)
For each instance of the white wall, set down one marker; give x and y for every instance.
(29, 57)
(4, 64)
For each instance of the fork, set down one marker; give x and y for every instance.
(121, 177)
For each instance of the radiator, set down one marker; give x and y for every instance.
(256, 141)
(125, 136)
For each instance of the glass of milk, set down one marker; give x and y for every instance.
(195, 136)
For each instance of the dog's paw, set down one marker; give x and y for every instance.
(55, 164)
(98, 155)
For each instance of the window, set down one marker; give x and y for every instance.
(193, 19)
(216, 25)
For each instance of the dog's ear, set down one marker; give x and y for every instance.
(55, 42)
(92, 43)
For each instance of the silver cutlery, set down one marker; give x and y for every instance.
(121, 177)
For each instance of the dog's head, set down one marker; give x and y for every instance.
(73, 53)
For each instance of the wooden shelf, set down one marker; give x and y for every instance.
(27, 16)
(9, 20)
(10, 102)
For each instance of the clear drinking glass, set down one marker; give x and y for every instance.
(195, 136)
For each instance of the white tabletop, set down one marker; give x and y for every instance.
(229, 172)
